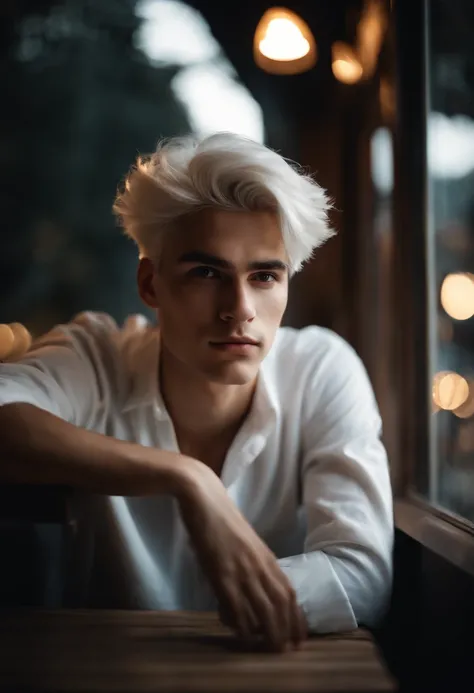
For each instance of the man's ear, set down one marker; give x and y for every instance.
(146, 283)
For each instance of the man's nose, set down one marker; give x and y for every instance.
(237, 303)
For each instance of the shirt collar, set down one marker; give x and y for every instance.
(143, 356)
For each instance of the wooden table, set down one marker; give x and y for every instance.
(131, 652)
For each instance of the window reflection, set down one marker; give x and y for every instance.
(450, 148)
(214, 101)
(87, 86)
(206, 85)
(174, 33)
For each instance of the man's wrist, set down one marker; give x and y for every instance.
(184, 478)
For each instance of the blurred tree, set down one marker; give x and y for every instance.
(82, 102)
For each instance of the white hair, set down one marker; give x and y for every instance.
(224, 171)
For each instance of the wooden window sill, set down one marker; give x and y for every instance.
(446, 534)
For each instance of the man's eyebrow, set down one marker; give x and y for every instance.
(268, 265)
(198, 257)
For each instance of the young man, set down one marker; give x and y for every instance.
(226, 463)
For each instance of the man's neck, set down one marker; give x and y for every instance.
(204, 414)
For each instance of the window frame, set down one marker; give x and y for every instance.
(438, 529)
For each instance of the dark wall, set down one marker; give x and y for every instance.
(428, 637)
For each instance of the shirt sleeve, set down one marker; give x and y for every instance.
(64, 372)
(344, 577)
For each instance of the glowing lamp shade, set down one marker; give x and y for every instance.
(283, 43)
(457, 295)
(346, 67)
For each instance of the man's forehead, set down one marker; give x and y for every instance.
(250, 236)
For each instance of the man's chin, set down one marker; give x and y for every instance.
(233, 373)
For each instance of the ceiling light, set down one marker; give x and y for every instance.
(284, 43)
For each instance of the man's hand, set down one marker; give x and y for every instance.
(254, 594)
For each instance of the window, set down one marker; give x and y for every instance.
(86, 87)
(450, 255)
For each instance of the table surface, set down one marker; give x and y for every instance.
(133, 651)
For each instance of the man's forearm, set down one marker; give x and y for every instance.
(37, 447)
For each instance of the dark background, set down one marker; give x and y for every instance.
(80, 100)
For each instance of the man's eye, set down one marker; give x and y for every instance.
(264, 277)
(204, 272)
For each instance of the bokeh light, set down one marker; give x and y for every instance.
(457, 295)
(450, 390)
(345, 65)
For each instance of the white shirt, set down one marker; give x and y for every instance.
(307, 469)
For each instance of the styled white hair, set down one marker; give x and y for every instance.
(224, 171)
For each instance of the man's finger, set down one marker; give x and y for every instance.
(233, 607)
(279, 592)
(225, 617)
(266, 614)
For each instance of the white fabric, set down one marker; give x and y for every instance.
(307, 469)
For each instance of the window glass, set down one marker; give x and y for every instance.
(86, 87)
(450, 149)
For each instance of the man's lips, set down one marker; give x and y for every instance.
(236, 341)
(237, 346)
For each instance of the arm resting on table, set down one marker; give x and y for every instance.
(344, 577)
